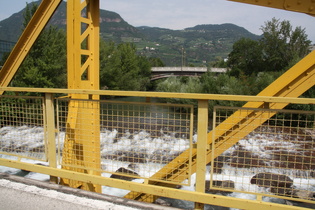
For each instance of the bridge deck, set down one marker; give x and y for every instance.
(187, 69)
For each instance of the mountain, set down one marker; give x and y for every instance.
(192, 46)
(11, 28)
(112, 26)
(196, 45)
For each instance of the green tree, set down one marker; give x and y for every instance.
(256, 83)
(279, 48)
(156, 62)
(45, 65)
(223, 84)
(122, 68)
(281, 44)
(108, 60)
(180, 85)
(144, 73)
(30, 9)
(219, 62)
(245, 57)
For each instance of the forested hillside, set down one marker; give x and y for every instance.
(198, 45)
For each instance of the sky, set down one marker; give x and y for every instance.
(180, 14)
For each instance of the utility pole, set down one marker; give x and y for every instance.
(183, 56)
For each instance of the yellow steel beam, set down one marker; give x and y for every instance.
(293, 83)
(82, 143)
(303, 6)
(50, 132)
(38, 22)
(202, 130)
(196, 96)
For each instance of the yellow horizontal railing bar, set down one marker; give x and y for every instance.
(196, 96)
(130, 102)
(22, 155)
(150, 189)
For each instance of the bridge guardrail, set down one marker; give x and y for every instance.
(275, 160)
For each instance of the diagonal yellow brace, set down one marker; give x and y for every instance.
(38, 22)
(293, 83)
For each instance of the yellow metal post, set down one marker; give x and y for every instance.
(201, 148)
(82, 143)
(50, 133)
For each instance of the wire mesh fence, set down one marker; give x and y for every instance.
(136, 139)
(255, 151)
(22, 131)
(276, 159)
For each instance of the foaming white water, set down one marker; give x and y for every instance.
(30, 138)
(16, 136)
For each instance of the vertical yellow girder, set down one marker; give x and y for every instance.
(38, 22)
(82, 143)
(83, 73)
(202, 130)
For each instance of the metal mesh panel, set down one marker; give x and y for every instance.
(276, 159)
(22, 131)
(136, 139)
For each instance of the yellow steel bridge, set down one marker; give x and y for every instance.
(265, 153)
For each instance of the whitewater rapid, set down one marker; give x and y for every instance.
(17, 137)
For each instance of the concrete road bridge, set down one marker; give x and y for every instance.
(164, 72)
